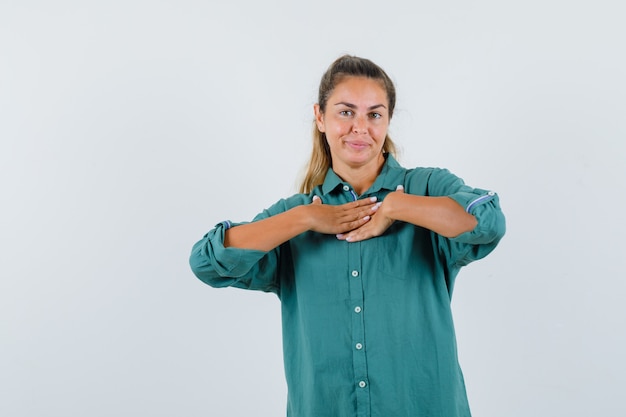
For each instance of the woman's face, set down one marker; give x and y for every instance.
(355, 123)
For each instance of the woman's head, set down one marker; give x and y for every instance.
(352, 66)
(343, 68)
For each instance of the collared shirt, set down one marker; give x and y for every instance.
(367, 326)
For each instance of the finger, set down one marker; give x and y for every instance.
(357, 209)
(364, 202)
(367, 201)
(356, 224)
(358, 215)
(316, 200)
(348, 225)
(350, 237)
(400, 188)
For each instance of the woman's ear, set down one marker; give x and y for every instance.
(319, 118)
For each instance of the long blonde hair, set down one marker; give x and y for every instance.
(344, 66)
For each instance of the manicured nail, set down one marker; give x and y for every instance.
(400, 187)
(366, 218)
(373, 199)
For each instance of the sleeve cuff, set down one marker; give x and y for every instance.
(471, 200)
(233, 262)
(484, 206)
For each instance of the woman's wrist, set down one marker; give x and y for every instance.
(302, 217)
(389, 205)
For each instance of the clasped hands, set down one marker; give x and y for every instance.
(354, 221)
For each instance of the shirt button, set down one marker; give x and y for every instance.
(358, 346)
(491, 193)
(362, 384)
(346, 188)
(355, 273)
(357, 309)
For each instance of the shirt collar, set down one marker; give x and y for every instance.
(389, 178)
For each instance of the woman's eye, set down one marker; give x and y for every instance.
(376, 115)
(346, 112)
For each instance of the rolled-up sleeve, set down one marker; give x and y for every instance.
(484, 205)
(219, 266)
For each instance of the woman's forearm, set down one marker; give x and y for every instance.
(442, 215)
(268, 233)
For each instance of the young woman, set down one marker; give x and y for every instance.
(363, 260)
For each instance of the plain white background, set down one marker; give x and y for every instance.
(128, 129)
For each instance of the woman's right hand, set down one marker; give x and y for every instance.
(329, 219)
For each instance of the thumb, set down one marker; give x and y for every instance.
(316, 200)
(400, 188)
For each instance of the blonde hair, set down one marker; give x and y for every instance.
(344, 66)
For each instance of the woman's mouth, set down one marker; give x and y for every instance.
(356, 144)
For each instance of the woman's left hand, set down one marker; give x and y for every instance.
(377, 225)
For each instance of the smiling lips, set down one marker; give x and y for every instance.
(356, 144)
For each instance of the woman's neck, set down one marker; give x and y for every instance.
(362, 177)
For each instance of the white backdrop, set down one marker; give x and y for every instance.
(128, 129)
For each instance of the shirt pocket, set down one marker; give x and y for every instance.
(403, 251)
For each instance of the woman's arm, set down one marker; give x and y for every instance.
(269, 233)
(246, 255)
(442, 215)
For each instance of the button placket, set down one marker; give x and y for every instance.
(359, 358)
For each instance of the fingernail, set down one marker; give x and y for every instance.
(315, 198)
(366, 218)
(400, 187)
(373, 199)
(339, 236)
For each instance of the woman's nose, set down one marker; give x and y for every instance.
(359, 126)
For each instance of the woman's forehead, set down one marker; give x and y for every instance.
(359, 89)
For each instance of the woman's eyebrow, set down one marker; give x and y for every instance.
(353, 106)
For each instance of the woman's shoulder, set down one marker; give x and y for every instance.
(429, 173)
(430, 180)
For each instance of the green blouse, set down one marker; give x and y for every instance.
(367, 326)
